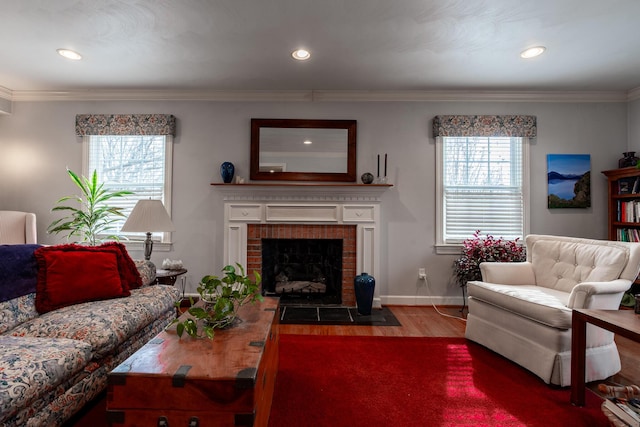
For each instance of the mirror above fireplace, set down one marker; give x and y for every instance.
(303, 150)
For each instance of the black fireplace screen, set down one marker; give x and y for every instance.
(303, 270)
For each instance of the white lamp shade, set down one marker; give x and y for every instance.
(148, 216)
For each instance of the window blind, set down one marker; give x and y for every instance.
(482, 187)
(132, 163)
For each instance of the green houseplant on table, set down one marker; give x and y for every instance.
(93, 217)
(222, 298)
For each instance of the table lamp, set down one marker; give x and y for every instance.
(148, 216)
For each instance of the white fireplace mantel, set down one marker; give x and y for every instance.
(340, 204)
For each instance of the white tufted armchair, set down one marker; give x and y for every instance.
(523, 310)
(17, 228)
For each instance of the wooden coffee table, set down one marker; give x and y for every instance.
(622, 322)
(227, 381)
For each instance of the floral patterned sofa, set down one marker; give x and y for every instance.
(52, 363)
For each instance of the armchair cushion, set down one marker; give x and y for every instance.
(562, 265)
(543, 305)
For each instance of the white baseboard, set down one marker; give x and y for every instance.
(400, 300)
(420, 300)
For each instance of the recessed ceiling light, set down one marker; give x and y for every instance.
(301, 54)
(532, 52)
(69, 54)
(307, 142)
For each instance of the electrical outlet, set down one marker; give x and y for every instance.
(422, 273)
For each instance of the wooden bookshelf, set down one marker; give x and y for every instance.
(624, 194)
(624, 204)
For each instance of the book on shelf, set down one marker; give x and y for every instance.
(628, 211)
(628, 235)
(625, 186)
(623, 410)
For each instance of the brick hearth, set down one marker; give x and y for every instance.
(257, 232)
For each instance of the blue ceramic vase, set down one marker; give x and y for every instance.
(364, 286)
(226, 172)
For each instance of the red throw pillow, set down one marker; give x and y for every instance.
(128, 270)
(71, 274)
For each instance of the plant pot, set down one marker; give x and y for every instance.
(217, 321)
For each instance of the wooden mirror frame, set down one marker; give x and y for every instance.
(349, 125)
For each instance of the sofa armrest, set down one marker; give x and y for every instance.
(508, 273)
(598, 295)
(147, 271)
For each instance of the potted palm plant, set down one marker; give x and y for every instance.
(221, 300)
(93, 219)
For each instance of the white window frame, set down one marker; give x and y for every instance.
(162, 241)
(443, 247)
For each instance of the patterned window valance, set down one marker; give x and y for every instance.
(516, 126)
(125, 124)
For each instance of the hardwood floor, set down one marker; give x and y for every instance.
(415, 321)
(630, 360)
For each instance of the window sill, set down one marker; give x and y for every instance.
(135, 245)
(448, 249)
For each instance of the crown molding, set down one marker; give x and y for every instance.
(473, 96)
(162, 95)
(321, 95)
(633, 94)
(6, 93)
(5, 100)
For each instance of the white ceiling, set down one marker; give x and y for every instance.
(358, 45)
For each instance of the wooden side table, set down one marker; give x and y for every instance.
(168, 277)
(622, 322)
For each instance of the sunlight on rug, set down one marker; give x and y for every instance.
(389, 381)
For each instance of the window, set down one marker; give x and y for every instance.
(482, 184)
(138, 163)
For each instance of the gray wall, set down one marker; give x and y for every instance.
(634, 125)
(37, 142)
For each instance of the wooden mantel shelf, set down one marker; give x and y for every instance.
(302, 191)
(294, 185)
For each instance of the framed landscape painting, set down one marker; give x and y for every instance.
(569, 181)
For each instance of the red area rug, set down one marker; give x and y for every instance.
(353, 381)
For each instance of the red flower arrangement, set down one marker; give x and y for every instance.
(480, 249)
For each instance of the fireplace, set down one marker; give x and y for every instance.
(350, 213)
(304, 264)
(303, 270)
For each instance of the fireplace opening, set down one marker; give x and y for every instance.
(305, 271)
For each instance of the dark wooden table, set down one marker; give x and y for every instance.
(168, 277)
(622, 322)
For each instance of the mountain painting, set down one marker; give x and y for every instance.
(569, 180)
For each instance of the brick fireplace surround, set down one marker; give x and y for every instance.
(257, 232)
(348, 211)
